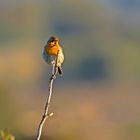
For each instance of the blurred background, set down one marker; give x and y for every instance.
(99, 95)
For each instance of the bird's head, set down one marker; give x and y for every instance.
(53, 41)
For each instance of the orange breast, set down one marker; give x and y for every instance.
(52, 50)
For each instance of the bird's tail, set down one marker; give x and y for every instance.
(60, 71)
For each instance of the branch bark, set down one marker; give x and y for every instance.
(46, 115)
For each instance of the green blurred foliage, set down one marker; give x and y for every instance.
(6, 135)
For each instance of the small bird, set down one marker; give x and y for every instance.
(52, 51)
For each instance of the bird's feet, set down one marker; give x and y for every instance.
(53, 76)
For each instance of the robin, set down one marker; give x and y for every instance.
(52, 51)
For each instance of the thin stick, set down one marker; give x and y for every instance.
(46, 115)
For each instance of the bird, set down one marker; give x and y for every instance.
(52, 51)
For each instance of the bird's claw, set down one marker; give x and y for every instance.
(53, 76)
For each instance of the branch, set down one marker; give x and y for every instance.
(46, 115)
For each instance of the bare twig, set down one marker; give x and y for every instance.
(46, 115)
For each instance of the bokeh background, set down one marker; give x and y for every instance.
(99, 95)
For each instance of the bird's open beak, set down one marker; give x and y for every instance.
(52, 43)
